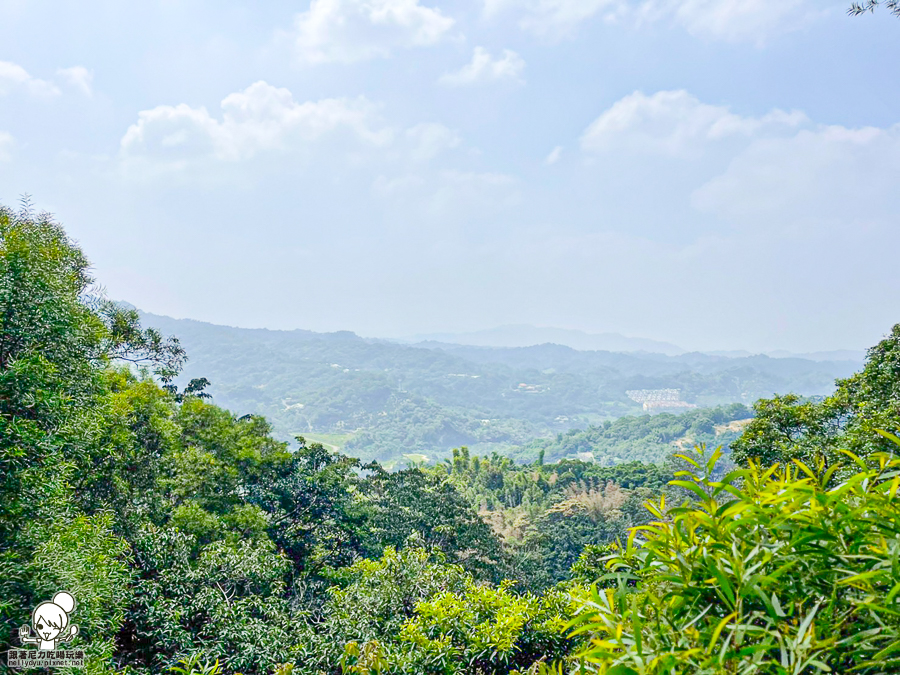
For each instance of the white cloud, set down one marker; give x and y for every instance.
(484, 68)
(266, 119)
(674, 123)
(815, 178)
(78, 77)
(775, 173)
(429, 139)
(554, 18)
(346, 31)
(6, 143)
(730, 20)
(259, 118)
(554, 155)
(14, 76)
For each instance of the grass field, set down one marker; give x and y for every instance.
(332, 441)
(405, 461)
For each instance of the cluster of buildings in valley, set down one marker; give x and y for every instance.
(659, 400)
(530, 388)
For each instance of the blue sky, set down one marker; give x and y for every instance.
(721, 174)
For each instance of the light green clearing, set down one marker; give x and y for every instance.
(331, 441)
(397, 464)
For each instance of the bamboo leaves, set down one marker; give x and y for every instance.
(789, 574)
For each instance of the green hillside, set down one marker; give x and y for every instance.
(385, 399)
(643, 438)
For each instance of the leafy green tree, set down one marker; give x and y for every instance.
(83, 555)
(485, 629)
(219, 459)
(56, 341)
(123, 466)
(227, 603)
(772, 571)
(788, 427)
(412, 502)
(413, 612)
(309, 502)
(373, 600)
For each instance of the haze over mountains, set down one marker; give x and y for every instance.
(523, 335)
(379, 399)
(529, 336)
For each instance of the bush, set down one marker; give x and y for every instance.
(374, 599)
(777, 570)
(485, 629)
(83, 556)
(226, 603)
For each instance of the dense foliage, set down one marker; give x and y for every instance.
(782, 570)
(790, 427)
(55, 342)
(646, 438)
(545, 514)
(413, 613)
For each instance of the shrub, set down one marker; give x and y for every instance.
(779, 570)
(485, 629)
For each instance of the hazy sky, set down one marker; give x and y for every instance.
(721, 174)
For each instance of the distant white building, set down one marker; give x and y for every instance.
(659, 400)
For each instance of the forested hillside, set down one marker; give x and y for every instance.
(645, 438)
(197, 543)
(380, 400)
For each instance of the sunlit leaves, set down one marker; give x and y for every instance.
(783, 572)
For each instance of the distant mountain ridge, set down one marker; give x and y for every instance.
(523, 335)
(854, 355)
(380, 399)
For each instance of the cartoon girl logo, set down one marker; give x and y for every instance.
(50, 621)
